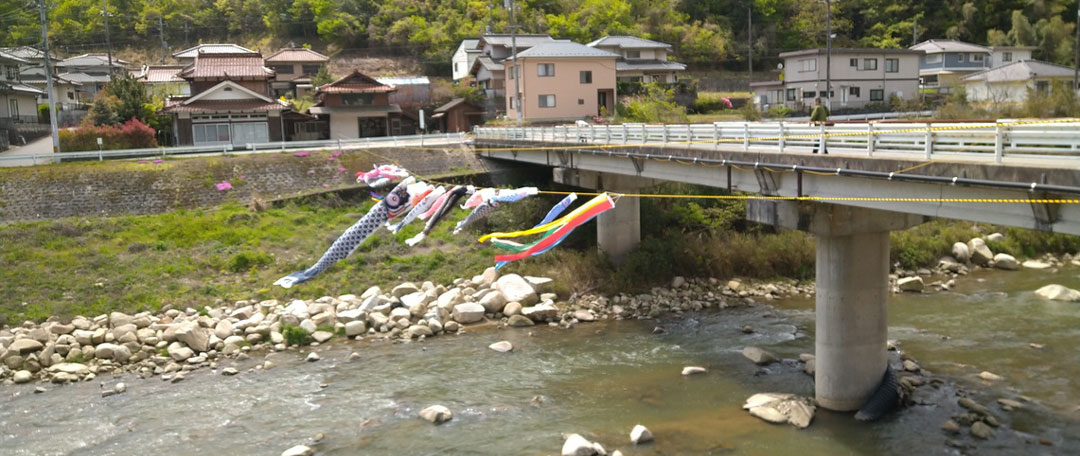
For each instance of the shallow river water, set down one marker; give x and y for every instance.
(596, 379)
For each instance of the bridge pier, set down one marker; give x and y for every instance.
(852, 273)
(618, 231)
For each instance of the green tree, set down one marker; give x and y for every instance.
(656, 105)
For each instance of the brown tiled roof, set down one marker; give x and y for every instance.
(174, 105)
(161, 73)
(227, 66)
(297, 55)
(355, 82)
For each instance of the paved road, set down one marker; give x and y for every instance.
(41, 147)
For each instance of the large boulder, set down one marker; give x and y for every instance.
(995, 237)
(960, 252)
(494, 301)
(119, 319)
(515, 288)
(404, 289)
(451, 298)
(436, 414)
(914, 284)
(980, 253)
(758, 355)
(780, 408)
(118, 353)
(1058, 293)
(223, 329)
(1031, 264)
(355, 328)
(70, 368)
(1006, 262)
(577, 445)
(25, 346)
(469, 312)
(541, 312)
(195, 336)
(640, 434)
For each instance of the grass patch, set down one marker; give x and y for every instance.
(295, 335)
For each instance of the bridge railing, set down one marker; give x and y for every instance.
(982, 141)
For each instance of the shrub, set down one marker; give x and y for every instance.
(657, 105)
(710, 102)
(295, 335)
(132, 134)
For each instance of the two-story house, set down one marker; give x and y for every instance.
(641, 60)
(488, 69)
(464, 57)
(67, 94)
(187, 56)
(163, 80)
(230, 102)
(1010, 83)
(19, 103)
(859, 77)
(294, 68)
(562, 80)
(91, 71)
(945, 62)
(358, 106)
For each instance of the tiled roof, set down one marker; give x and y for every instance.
(175, 105)
(227, 66)
(522, 41)
(488, 64)
(190, 53)
(471, 45)
(844, 51)
(25, 52)
(84, 78)
(297, 55)
(161, 73)
(355, 82)
(629, 42)
(4, 55)
(648, 65)
(564, 49)
(18, 87)
(91, 60)
(1022, 70)
(405, 81)
(452, 104)
(936, 46)
(38, 78)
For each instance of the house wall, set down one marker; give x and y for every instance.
(565, 85)
(904, 82)
(261, 86)
(298, 69)
(334, 99)
(951, 60)
(997, 56)
(27, 105)
(462, 62)
(1005, 92)
(344, 126)
(649, 76)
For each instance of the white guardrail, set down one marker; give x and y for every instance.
(982, 141)
(870, 116)
(250, 148)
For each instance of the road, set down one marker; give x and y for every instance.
(42, 147)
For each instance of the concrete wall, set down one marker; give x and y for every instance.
(127, 187)
(565, 85)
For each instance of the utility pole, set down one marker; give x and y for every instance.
(915, 31)
(49, 78)
(186, 23)
(513, 54)
(750, 41)
(108, 44)
(1076, 47)
(161, 33)
(828, 54)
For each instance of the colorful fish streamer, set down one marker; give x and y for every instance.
(438, 212)
(554, 232)
(381, 175)
(427, 199)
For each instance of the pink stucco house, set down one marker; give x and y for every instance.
(562, 81)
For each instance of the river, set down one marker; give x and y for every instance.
(597, 379)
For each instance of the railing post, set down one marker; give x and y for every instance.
(716, 135)
(869, 139)
(999, 143)
(592, 133)
(781, 142)
(746, 136)
(929, 141)
(644, 134)
(607, 133)
(625, 133)
(665, 134)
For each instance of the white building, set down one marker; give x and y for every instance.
(859, 77)
(1010, 83)
(464, 56)
(640, 60)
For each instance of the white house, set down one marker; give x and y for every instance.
(859, 77)
(1009, 83)
(641, 60)
(464, 56)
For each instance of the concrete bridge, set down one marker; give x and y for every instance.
(877, 177)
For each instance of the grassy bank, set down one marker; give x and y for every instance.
(90, 266)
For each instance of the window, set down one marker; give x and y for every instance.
(13, 106)
(854, 63)
(585, 77)
(854, 92)
(513, 72)
(455, 66)
(357, 99)
(71, 95)
(892, 65)
(1042, 87)
(545, 69)
(790, 96)
(961, 58)
(633, 54)
(208, 133)
(547, 101)
(312, 70)
(877, 95)
(809, 64)
(1006, 57)
(869, 64)
(933, 58)
(977, 57)
(282, 69)
(12, 73)
(809, 94)
(580, 101)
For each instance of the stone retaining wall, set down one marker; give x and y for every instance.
(130, 187)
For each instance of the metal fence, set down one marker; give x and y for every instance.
(254, 148)
(980, 141)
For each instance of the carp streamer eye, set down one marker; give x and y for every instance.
(393, 199)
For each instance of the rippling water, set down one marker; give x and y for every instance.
(596, 379)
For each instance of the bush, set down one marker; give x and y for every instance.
(246, 261)
(657, 105)
(295, 335)
(710, 102)
(132, 134)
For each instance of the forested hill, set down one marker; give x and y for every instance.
(712, 32)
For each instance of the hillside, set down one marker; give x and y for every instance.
(708, 34)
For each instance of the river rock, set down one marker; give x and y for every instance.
(299, 450)
(538, 283)
(195, 336)
(416, 331)
(322, 336)
(312, 357)
(83, 337)
(512, 308)
(436, 414)
(355, 328)
(577, 445)
(404, 289)
(22, 376)
(501, 346)
(676, 283)
(1036, 264)
(960, 252)
(693, 370)
(913, 284)
(119, 319)
(223, 329)
(494, 301)
(1006, 262)
(995, 237)
(418, 298)
(640, 434)
(758, 355)
(980, 253)
(515, 288)
(519, 321)
(308, 326)
(24, 346)
(1009, 404)
(584, 315)
(981, 430)
(469, 312)
(950, 426)
(989, 376)
(975, 407)
(1058, 293)
(451, 298)
(780, 408)
(541, 312)
(179, 352)
(118, 353)
(60, 329)
(70, 368)
(229, 371)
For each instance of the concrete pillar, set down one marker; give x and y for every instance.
(851, 305)
(618, 231)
